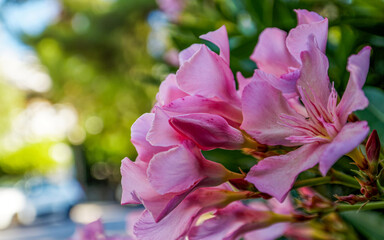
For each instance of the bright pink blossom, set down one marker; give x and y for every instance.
(208, 131)
(258, 220)
(201, 100)
(168, 168)
(278, 54)
(204, 82)
(322, 131)
(139, 131)
(236, 220)
(161, 185)
(178, 223)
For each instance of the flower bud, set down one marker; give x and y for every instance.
(373, 147)
(351, 199)
(357, 156)
(242, 184)
(208, 131)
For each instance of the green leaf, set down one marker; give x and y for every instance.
(368, 224)
(374, 113)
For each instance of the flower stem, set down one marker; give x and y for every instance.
(355, 207)
(361, 206)
(336, 177)
(312, 182)
(344, 179)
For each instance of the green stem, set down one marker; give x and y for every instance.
(335, 177)
(368, 206)
(345, 179)
(355, 207)
(312, 182)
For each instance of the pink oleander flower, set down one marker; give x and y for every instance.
(178, 223)
(201, 100)
(168, 168)
(255, 221)
(95, 231)
(278, 54)
(258, 220)
(208, 131)
(204, 82)
(321, 130)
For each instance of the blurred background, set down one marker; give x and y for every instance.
(75, 75)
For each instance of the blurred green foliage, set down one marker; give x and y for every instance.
(369, 224)
(24, 159)
(8, 94)
(96, 56)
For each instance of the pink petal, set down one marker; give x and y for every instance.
(262, 107)
(198, 104)
(298, 37)
(137, 189)
(220, 39)
(350, 136)
(271, 54)
(208, 75)
(284, 207)
(314, 73)
(183, 168)
(269, 233)
(169, 91)
(218, 227)
(286, 83)
(276, 175)
(208, 131)
(170, 227)
(187, 53)
(306, 17)
(139, 132)
(174, 170)
(133, 179)
(243, 82)
(228, 220)
(255, 225)
(161, 133)
(201, 188)
(354, 98)
(177, 224)
(294, 103)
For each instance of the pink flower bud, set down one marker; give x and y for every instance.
(208, 131)
(352, 199)
(373, 147)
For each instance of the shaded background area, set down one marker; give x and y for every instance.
(75, 75)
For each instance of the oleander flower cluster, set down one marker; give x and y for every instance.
(288, 116)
